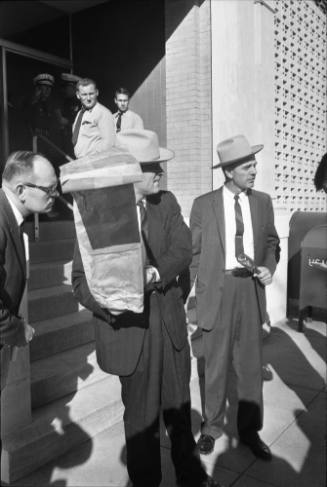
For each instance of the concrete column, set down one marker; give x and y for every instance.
(188, 98)
(243, 80)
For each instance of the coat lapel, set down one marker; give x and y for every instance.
(218, 208)
(11, 222)
(255, 214)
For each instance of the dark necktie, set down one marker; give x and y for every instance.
(118, 124)
(77, 126)
(144, 231)
(144, 220)
(239, 249)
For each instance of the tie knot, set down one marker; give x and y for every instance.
(236, 197)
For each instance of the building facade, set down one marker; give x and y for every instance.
(199, 71)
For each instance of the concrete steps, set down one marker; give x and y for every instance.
(50, 251)
(64, 373)
(61, 333)
(48, 274)
(62, 425)
(49, 231)
(51, 302)
(72, 400)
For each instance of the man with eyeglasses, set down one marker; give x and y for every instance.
(29, 185)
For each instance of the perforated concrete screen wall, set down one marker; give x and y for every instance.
(300, 103)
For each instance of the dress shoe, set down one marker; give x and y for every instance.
(257, 446)
(206, 444)
(266, 373)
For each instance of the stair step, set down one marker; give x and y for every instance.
(44, 304)
(61, 333)
(62, 425)
(63, 374)
(49, 274)
(49, 231)
(51, 251)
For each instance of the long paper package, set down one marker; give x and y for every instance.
(107, 227)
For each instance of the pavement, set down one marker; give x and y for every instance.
(294, 427)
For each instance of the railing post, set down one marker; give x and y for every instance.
(36, 215)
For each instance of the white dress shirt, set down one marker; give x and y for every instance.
(230, 227)
(129, 120)
(97, 132)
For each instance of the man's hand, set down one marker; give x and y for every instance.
(29, 332)
(264, 275)
(150, 275)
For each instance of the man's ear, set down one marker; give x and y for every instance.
(228, 173)
(19, 190)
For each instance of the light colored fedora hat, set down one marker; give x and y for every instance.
(235, 149)
(144, 146)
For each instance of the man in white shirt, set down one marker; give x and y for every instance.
(94, 127)
(228, 222)
(125, 119)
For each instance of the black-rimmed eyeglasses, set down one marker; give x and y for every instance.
(50, 191)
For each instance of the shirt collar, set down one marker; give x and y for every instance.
(229, 194)
(18, 216)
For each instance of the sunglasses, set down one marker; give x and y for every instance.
(50, 191)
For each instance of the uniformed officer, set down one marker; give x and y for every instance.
(40, 110)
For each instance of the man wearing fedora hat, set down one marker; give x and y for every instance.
(226, 224)
(149, 351)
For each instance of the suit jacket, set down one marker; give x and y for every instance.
(208, 263)
(119, 339)
(12, 274)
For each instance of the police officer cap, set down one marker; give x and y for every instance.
(69, 78)
(44, 79)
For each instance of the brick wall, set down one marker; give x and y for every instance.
(188, 102)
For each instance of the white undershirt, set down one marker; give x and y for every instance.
(230, 227)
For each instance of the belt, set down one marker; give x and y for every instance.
(238, 272)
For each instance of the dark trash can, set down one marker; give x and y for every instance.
(300, 223)
(313, 278)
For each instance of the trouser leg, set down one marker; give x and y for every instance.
(141, 398)
(217, 345)
(247, 354)
(176, 405)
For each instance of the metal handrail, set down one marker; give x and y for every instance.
(61, 198)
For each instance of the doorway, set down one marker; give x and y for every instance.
(19, 66)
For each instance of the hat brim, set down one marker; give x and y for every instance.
(164, 155)
(254, 150)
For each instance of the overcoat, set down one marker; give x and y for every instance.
(12, 274)
(12, 283)
(119, 339)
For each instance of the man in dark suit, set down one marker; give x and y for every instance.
(28, 186)
(230, 300)
(149, 351)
